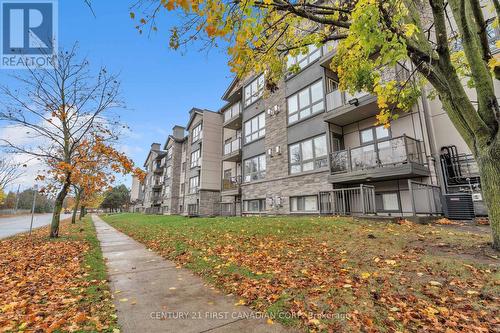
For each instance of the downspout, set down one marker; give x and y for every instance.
(432, 142)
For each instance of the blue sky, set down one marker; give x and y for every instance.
(159, 85)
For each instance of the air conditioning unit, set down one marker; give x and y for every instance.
(459, 206)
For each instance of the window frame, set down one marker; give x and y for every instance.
(297, 197)
(260, 173)
(254, 96)
(309, 106)
(262, 205)
(196, 133)
(315, 159)
(375, 138)
(382, 209)
(191, 160)
(261, 131)
(304, 58)
(194, 189)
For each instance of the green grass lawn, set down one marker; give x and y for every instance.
(336, 274)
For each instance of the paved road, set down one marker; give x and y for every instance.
(13, 225)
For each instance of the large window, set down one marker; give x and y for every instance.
(254, 90)
(255, 168)
(373, 134)
(304, 204)
(387, 202)
(302, 60)
(194, 182)
(196, 135)
(195, 158)
(254, 206)
(255, 128)
(306, 102)
(308, 155)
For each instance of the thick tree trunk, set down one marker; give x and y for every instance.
(83, 212)
(75, 209)
(56, 216)
(489, 168)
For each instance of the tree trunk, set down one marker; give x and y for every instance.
(56, 216)
(489, 169)
(83, 212)
(75, 209)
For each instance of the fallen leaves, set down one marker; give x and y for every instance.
(316, 271)
(43, 285)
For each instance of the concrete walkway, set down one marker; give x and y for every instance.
(153, 295)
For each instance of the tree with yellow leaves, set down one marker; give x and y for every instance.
(444, 43)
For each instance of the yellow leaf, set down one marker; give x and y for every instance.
(365, 275)
(270, 321)
(240, 302)
(123, 299)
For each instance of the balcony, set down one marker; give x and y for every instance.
(232, 117)
(157, 184)
(232, 151)
(156, 198)
(343, 108)
(158, 169)
(231, 185)
(395, 158)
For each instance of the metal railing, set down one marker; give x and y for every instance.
(232, 112)
(232, 146)
(349, 201)
(425, 198)
(231, 183)
(227, 208)
(394, 151)
(193, 210)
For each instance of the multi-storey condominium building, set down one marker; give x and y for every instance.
(153, 183)
(309, 148)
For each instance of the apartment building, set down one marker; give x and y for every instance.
(173, 147)
(308, 148)
(201, 164)
(153, 187)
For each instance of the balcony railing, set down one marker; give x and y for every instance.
(382, 153)
(232, 112)
(337, 98)
(232, 146)
(231, 183)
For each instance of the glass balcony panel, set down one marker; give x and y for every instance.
(392, 151)
(363, 157)
(339, 161)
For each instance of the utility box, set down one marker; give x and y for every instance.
(459, 206)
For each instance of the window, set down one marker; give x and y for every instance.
(257, 205)
(194, 182)
(387, 202)
(374, 134)
(195, 158)
(255, 128)
(182, 188)
(302, 60)
(304, 204)
(492, 34)
(255, 168)
(306, 102)
(308, 155)
(196, 134)
(169, 153)
(254, 90)
(168, 172)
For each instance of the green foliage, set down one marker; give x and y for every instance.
(116, 198)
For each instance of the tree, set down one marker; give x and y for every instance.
(116, 198)
(444, 42)
(9, 172)
(60, 108)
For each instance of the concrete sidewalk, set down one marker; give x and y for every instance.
(152, 295)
